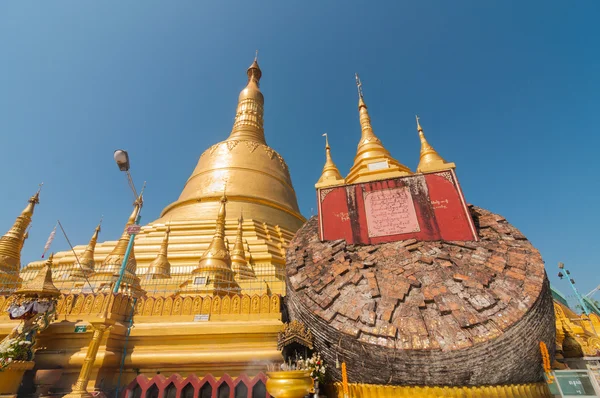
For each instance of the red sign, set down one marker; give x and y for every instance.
(423, 206)
(134, 229)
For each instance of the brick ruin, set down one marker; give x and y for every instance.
(459, 313)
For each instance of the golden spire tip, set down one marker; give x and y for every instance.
(419, 128)
(326, 141)
(358, 85)
(256, 56)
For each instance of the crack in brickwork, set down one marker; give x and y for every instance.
(449, 313)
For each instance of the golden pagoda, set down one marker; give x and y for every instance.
(11, 244)
(199, 305)
(372, 160)
(331, 175)
(430, 160)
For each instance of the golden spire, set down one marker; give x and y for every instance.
(372, 160)
(86, 261)
(430, 160)
(41, 285)
(12, 242)
(160, 266)
(330, 175)
(213, 274)
(217, 254)
(238, 254)
(112, 262)
(248, 124)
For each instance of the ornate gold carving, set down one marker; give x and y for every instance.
(235, 305)
(197, 305)
(216, 305)
(139, 306)
(270, 152)
(206, 305)
(148, 306)
(158, 306)
(187, 306)
(78, 305)
(252, 145)
(231, 144)
(177, 305)
(97, 306)
(255, 306)
(226, 305)
(294, 332)
(168, 306)
(265, 304)
(275, 304)
(245, 304)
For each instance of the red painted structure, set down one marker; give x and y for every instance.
(176, 386)
(428, 206)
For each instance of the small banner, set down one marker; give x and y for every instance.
(49, 241)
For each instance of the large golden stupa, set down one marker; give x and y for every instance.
(203, 282)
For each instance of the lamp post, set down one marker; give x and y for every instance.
(122, 159)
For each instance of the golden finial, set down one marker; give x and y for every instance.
(256, 56)
(372, 160)
(41, 285)
(419, 128)
(358, 85)
(239, 263)
(248, 123)
(330, 175)
(429, 159)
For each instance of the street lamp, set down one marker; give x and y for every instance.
(122, 159)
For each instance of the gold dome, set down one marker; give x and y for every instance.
(256, 176)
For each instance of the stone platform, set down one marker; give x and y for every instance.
(425, 313)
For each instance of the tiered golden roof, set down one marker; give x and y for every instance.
(430, 160)
(331, 175)
(12, 243)
(41, 285)
(160, 267)
(372, 160)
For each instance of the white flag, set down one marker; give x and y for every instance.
(49, 241)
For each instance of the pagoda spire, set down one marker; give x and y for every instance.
(112, 262)
(12, 243)
(430, 160)
(41, 285)
(238, 254)
(214, 274)
(330, 175)
(248, 124)
(86, 261)
(372, 160)
(160, 267)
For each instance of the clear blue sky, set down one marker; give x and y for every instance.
(508, 90)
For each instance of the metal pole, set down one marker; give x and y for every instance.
(126, 258)
(583, 304)
(124, 353)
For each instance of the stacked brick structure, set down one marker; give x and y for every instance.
(425, 313)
